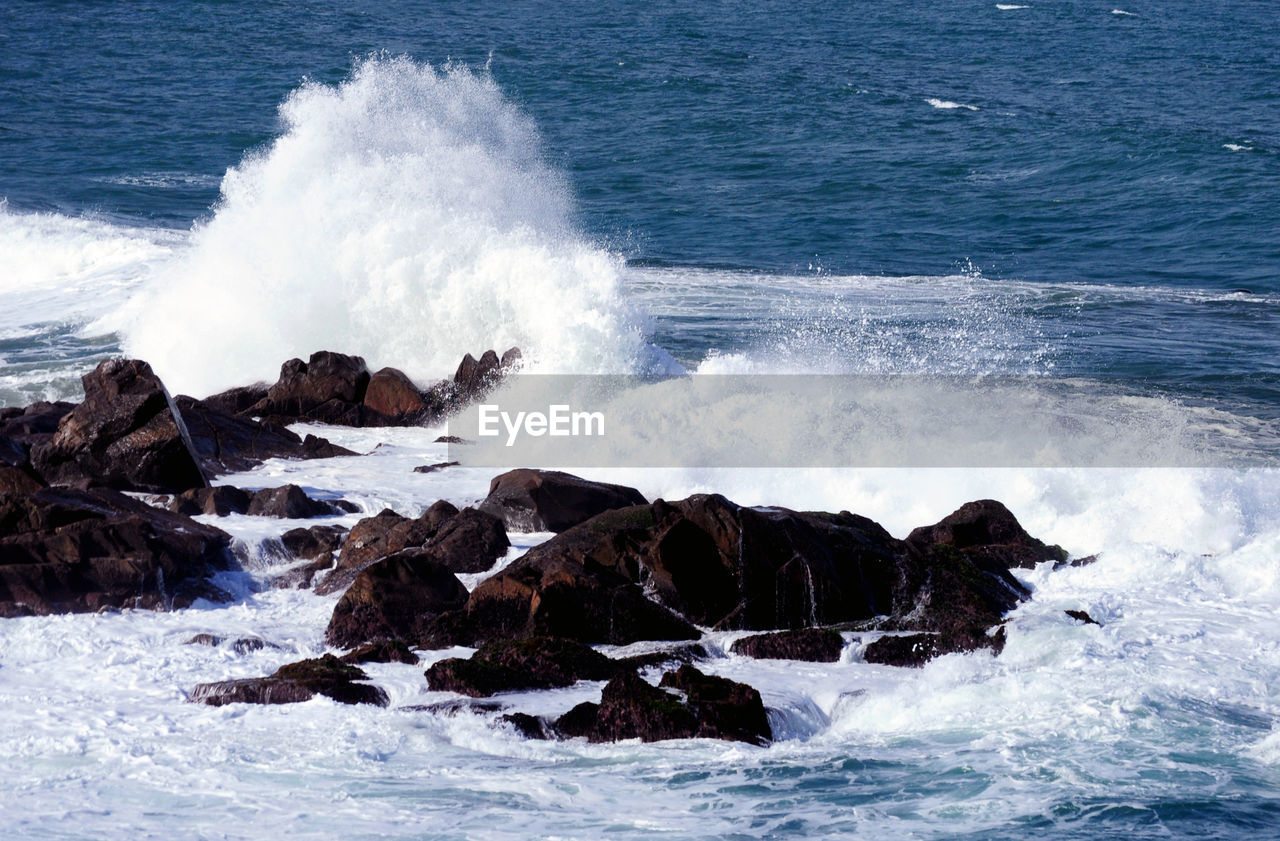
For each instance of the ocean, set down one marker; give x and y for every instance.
(1057, 192)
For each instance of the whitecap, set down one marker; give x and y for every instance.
(947, 105)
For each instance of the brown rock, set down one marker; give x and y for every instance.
(990, 535)
(814, 645)
(548, 500)
(226, 443)
(382, 535)
(724, 708)
(295, 682)
(512, 665)
(395, 598)
(914, 650)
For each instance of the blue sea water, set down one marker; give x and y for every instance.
(1042, 188)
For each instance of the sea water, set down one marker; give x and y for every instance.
(1049, 191)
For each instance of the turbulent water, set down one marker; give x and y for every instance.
(1064, 192)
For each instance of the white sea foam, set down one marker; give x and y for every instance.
(1123, 12)
(406, 216)
(947, 105)
(1236, 147)
(1005, 7)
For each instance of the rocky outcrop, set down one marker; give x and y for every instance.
(557, 597)
(293, 683)
(328, 388)
(286, 502)
(315, 542)
(548, 500)
(392, 399)
(227, 443)
(126, 435)
(34, 424)
(814, 645)
(396, 598)
(988, 533)
(914, 650)
(386, 651)
(68, 551)
(631, 708)
(512, 665)
(466, 541)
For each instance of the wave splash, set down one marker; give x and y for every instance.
(405, 215)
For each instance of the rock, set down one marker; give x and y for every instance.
(813, 645)
(35, 424)
(72, 551)
(466, 541)
(547, 500)
(233, 401)
(989, 534)
(314, 543)
(474, 378)
(469, 541)
(386, 651)
(724, 708)
(290, 502)
(914, 650)
(556, 597)
(17, 476)
(511, 359)
(219, 500)
(452, 439)
(127, 435)
(630, 708)
(393, 399)
(686, 653)
(1082, 616)
(329, 388)
(226, 443)
(513, 665)
(395, 598)
(295, 682)
(205, 639)
(432, 468)
(529, 726)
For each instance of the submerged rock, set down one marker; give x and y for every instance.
(814, 645)
(548, 500)
(293, 683)
(512, 665)
(1082, 616)
(127, 435)
(71, 551)
(914, 650)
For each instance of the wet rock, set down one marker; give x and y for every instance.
(630, 708)
(17, 476)
(676, 655)
(395, 598)
(814, 645)
(914, 650)
(315, 542)
(233, 401)
(434, 468)
(71, 551)
(329, 388)
(386, 651)
(1082, 616)
(724, 708)
(452, 439)
(34, 424)
(290, 502)
(127, 435)
(469, 541)
(529, 726)
(513, 665)
(226, 443)
(988, 533)
(393, 399)
(205, 639)
(219, 500)
(548, 500)
(556, 597)
(293, 683)
(456, 706)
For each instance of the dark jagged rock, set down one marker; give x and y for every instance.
(549, 596)
(724, 708)
(630, 708)
(126, 435)
(433, 468)
(466, 541)
(990, 535)
(233, 401)
(242, 645)
(814, 645)
(529, 726)
(395, 598)
(914, 650)
(451, 439)
(292, 503)
(71, 551)
(295, 682)
(469, 541)
(35, 424)
(511, 665)
(17, 476)
(227, 443)
(686, 653)
(548, 500)
(329, 388)
(219, 500)
(1082, 616)
(454, 706)
(315, 542)
(205, 639)
(387, 651)
(393, 400)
